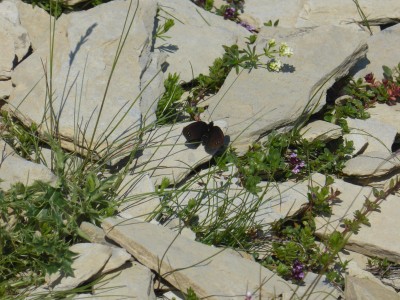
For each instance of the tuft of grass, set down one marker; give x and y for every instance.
(168, 108)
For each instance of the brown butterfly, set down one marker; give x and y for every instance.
(211, 136)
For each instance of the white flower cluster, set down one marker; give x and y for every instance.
(275, 64)
(285, 50)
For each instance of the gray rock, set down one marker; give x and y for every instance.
(36, 22)
(119, 256)
(386, 114)
(137, 194)
(173, 296)
(10, 23)
(321, 130)
(185, 263)
(382, 49)
(259, 101)
(208, 32)
(16, 169)
(5, 89)
(7, 54)
(132, 281)
(361, 288)
(343, 12)
(90, 261)
(380, 136)
(262, 11)
(321, 289)
(360, 142)
(371, 165)
(94, 234)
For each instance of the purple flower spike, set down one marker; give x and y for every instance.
(297, 271)
(230, 13)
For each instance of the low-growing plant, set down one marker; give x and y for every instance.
(35, 233)
(295, 249)
(288, 156)
(24, 140)
(383, 268)
(167, 107)
(272, 24)
(191, 295)
(163, 29)
(369, 90)
(351, 108)
(56, 7)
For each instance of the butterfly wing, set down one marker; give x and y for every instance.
(215, 138)
(195, 131)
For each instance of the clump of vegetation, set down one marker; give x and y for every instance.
(168, 106)
(39, 222)
(363, 93)
(56, 7)
(288, 156)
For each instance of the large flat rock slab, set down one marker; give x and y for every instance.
(209, 271)
(257, 101)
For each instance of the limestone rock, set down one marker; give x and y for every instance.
(372, 165)
(259, 101)
(382, 49)
(36, 22)
(94, 234)
(10, 24)
(262, 11)
(5, 89)
(7, 55)
(132, 281)
(119, 256)
(380, 136)
(343, 12)
(321, 130)
(138, 197)
(208, 32)
(321, 289)
(191, 264)
(360, 142)
(386, 114)
(173, 296)
(15, 169)
(90, 260)
(361, 288)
